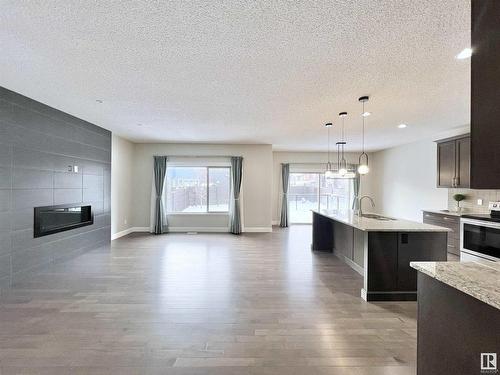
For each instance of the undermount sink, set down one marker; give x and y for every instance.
(377, 217)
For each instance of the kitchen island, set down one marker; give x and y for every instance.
(458, 317)
(380, 249)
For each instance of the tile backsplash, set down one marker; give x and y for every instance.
(470, 202)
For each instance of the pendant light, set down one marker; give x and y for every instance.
(341, 162)
(329, 173)
(363, 167)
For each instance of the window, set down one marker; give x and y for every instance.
(197, 189)
(312, 191)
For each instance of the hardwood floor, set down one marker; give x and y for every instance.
(204, 304)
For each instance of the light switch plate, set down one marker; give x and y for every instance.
(479, 202)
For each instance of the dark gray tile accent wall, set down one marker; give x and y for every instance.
(37, 144)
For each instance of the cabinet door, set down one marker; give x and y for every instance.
(446, 163)
(343, 239)
(463, 162)
(416, 247)
(382, 264)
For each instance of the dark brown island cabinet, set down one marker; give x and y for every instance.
(453, 162)
(380, 250)
(485, 95)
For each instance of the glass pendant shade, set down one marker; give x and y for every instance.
(363, 164)
(363, 169)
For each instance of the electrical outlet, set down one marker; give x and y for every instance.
(479, 202)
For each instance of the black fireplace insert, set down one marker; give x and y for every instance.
(54, 219)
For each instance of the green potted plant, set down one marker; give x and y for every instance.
(458, 198)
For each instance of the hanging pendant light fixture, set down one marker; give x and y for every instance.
(341, 162)
(363, 167)
(329, 173)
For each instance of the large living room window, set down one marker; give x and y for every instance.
(312, 191)
(197, 189)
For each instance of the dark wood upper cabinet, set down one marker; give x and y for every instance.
(485, 95)
(463, 162)
(453, 162)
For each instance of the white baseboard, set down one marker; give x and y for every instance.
(275, 222)
(258, 229)
(199, 229)
(141, 229)
(114, 236)
(192, 229)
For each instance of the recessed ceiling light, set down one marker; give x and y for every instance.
(366, 114)
(465, 54)
(402, 126)
(99, 101)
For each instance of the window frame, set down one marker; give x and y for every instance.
(207, 210)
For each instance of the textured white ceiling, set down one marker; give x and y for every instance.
(243, 71)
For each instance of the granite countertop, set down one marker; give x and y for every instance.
(479, 280)
(374, 225)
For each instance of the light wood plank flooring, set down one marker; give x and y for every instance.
(204, 304)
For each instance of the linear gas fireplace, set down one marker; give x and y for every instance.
(54, 219)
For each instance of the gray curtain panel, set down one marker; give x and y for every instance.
(160, 171)
(356, 182)
(235, 214)
(285, 174)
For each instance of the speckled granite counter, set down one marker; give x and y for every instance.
(481, 281)
(374, 225)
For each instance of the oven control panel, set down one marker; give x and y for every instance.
(494, 206)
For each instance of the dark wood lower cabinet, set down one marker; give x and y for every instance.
(383, 261)
(447, 221)
(389, 275)
(322, 234)
(453, 330)
(343, 237)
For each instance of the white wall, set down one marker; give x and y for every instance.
(404, 181)
(122, 154)
(255, 191)
(313, 161)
